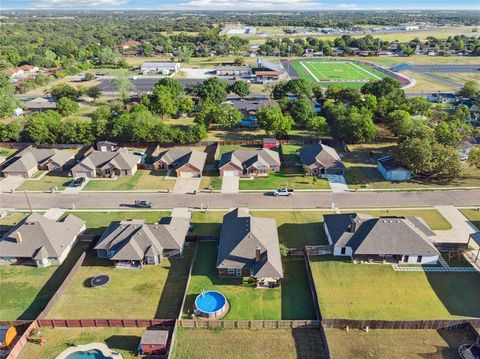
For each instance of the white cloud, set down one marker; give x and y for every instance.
(77, 4)
(257, 5)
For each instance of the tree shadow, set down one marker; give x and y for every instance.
(123, 342)
(308, 343)
(454, 338)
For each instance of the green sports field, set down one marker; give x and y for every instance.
(325, 72)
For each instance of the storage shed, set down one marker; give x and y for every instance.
(392, 171)
(153, 342)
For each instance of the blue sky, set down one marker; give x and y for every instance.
(240, 4)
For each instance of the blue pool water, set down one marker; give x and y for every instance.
(91, 354)
(248, 122)
(209, 302)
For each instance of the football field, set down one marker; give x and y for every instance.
(340, 72)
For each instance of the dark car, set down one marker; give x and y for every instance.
(143, 204)
(77, 182)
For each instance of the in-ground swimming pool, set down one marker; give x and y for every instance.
(211, 304)
(89, 351)
(91, 354)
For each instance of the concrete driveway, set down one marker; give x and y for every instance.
(461, 227)
(10, 183)
(72, 190)
(230, 184)
(337, 183)
(186, 185)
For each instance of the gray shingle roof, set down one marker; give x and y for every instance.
(154, 337)
(322, 155)
(378, 236)
(132, 240)
(40, 237)
(182, 156)
(241, 234)
(31, 157)
(119, 159)
(248, 158)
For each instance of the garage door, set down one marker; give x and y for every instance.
(82, 174)
(230, 173)
(189, 174)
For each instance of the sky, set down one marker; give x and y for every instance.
(277, 5)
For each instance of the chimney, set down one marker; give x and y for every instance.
(257, 254)
(18, 237)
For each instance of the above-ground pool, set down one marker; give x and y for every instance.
(211, 304)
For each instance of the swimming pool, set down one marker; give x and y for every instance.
(91, 354)
(89, 351)
(211, 304)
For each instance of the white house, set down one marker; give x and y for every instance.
(164, 68)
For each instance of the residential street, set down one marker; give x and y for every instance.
(251, 200)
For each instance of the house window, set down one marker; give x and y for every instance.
(405, 258)
(419, 259)
(343, 251)
(110, 253)
(230, 271)
(238, 272)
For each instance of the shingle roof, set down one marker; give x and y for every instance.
(390, 164)
(378, 236)
(248, 158)
(31, 157)
(182, 156)
(133, 240)
(40, 237)
(97, 159)
(322, 155)
(154, 337)
(240, 236)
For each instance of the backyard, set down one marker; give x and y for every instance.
(362, 291)
(155, 291)
(290, 152)
(123, 340)
(399, 344)
(141, 180)
(292, 301)
(50, 180)
(26, 289)
(251, 344)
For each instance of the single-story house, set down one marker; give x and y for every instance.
(249, 247)
(134, 243)
(107, 164)
(249, 107)
(391, 170)
(153, 342)
(106, 146)
(130, 44)
(165, 68)
(321, 159)
(30, 160)
(249, 163)
(186, 162)
(40, 241)
(40, 104)
(233, 71)
(385, 239)
(442, 98)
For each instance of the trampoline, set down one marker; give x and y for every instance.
(100, 280)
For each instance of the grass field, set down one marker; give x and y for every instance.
(50, 180)
(398, 344)
(244, 343)
(7, 152)
(473, 216)
(26, 290)
(122, 340)
(141, 180)
(327, 71)
(355, 291)
(151, 292)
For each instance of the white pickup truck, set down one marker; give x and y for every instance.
(282, 192)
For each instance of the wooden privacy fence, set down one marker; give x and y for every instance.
(21, 341)
(319, 250)
(248, 324)
(106, 323)
(399, 324)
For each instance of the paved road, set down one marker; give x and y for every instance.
(252, 200)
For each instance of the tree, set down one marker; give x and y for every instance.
(469, 90)
(318, 93)
(66, 91)
(399, 122)
(173, 86)
(93, 92)
(123, 86)
(223, 115)
(7, 100)
(185, 105)
(446, 134)
(163, 102)
(280, 90)
(352, 125)
(240, 88)
(445, 162)
(415, 154)
(10, 131)
(101, 119)
(318, 125)
(389, 88)
(89, 77)
(43, 127)
(273, 121)
(213, 89)
(301, 111)
(474, 157)
(76, 131)
(419, 106)
(66, 107)
(299, 87)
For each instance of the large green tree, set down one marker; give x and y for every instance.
(273, 121)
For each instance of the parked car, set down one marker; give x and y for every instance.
(282, 192)
(77, 182)
(143, 204)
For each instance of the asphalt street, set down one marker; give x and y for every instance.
(322, 200)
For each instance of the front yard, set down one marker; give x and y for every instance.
(473, 215)
(251, 344)
(292, 301)
(123, 340)
(26, 290)
(141, 180)
(211, 179)
(289, 177)
(51, 180)
(151, 292)
(370, 291)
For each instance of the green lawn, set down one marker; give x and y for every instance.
(50, 180)
(156, 291)
(292, 301)
(228, 148)
(141, 180)
(211, 179)
(432, 217)
(289, 177)
(362, 291)
(123, 340)
(7, 152)
(290, 152)
(473, 215)
(386, 344)
(244, 343)
(97, 222)
(11, 219)
(290, 224)
(26, 290)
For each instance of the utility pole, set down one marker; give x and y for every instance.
(28, 201)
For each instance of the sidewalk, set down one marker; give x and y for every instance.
(461, 227)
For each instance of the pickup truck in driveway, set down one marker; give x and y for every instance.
(282, 192)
